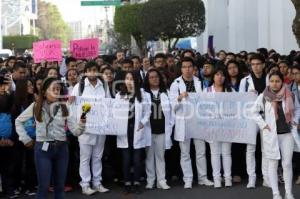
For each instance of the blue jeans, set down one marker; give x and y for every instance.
(52, 163)
(132, 157)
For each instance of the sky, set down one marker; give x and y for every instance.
(71, 10)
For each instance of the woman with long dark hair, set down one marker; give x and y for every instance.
(220, 149)
(138, 131)
(274, 113)
(24, 96)
(234, 74)
(161, 122)
(51, 148)
(238, 156)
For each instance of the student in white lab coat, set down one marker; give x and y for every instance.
(255, 82)
(274, 113)
(178, 92)
(161, 122)
(91, 145)
(138, 132)
(220, 84)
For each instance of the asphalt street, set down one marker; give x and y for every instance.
(177, 192)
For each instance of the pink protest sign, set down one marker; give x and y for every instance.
(84, 48)
(49, 50)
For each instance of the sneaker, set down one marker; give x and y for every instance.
(205, 182)
(101, 189)
(127, 189)
(88, 191)
(13, 195)
(217, 183)
(68, 188)
(30, 192)
(289, 196)
(236, 179)
(188, 185)
(228, 183)
(298, 181)
(17, 191)
(251, 183)
(277, 196)
(149, 186)
(163, 185)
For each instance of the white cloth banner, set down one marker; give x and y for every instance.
(223, 117)
(106, 117)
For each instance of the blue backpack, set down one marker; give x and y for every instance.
(29, 126)
(5, 125)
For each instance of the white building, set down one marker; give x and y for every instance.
(77, 29)
(249, 24)
(17, 16)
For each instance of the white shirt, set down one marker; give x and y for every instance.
(155, 92)
(91, 91)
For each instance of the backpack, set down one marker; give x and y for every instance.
(29, 126)
(6, 125)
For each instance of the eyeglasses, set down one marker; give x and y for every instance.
(298, 73)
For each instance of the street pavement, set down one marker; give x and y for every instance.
(177, 192)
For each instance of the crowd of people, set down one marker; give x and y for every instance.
(40, 152)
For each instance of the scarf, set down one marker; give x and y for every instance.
(283, 95)
(259, 83)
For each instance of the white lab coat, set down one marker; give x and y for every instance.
(98, 91)
(251, 87)
(270, 138)
(178, 87)
(142, 138)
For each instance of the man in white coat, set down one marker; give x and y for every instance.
(91, 144)
(255, 82)
(178, 92)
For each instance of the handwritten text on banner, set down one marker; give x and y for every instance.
(223, 117)
(107, 116)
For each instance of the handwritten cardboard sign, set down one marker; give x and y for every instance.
(84, 48)
(49, 50)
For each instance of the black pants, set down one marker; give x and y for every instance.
(7, 169)
(132, 157)
(30, 176)
(239, 160)
(24, 167)
(172, 157)
(112, 159)
(296, 158)
(73, 177)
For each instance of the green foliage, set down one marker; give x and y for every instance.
(50, 23)
(128, 23)
(173, 19)
(19, 42)
(167, 20)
